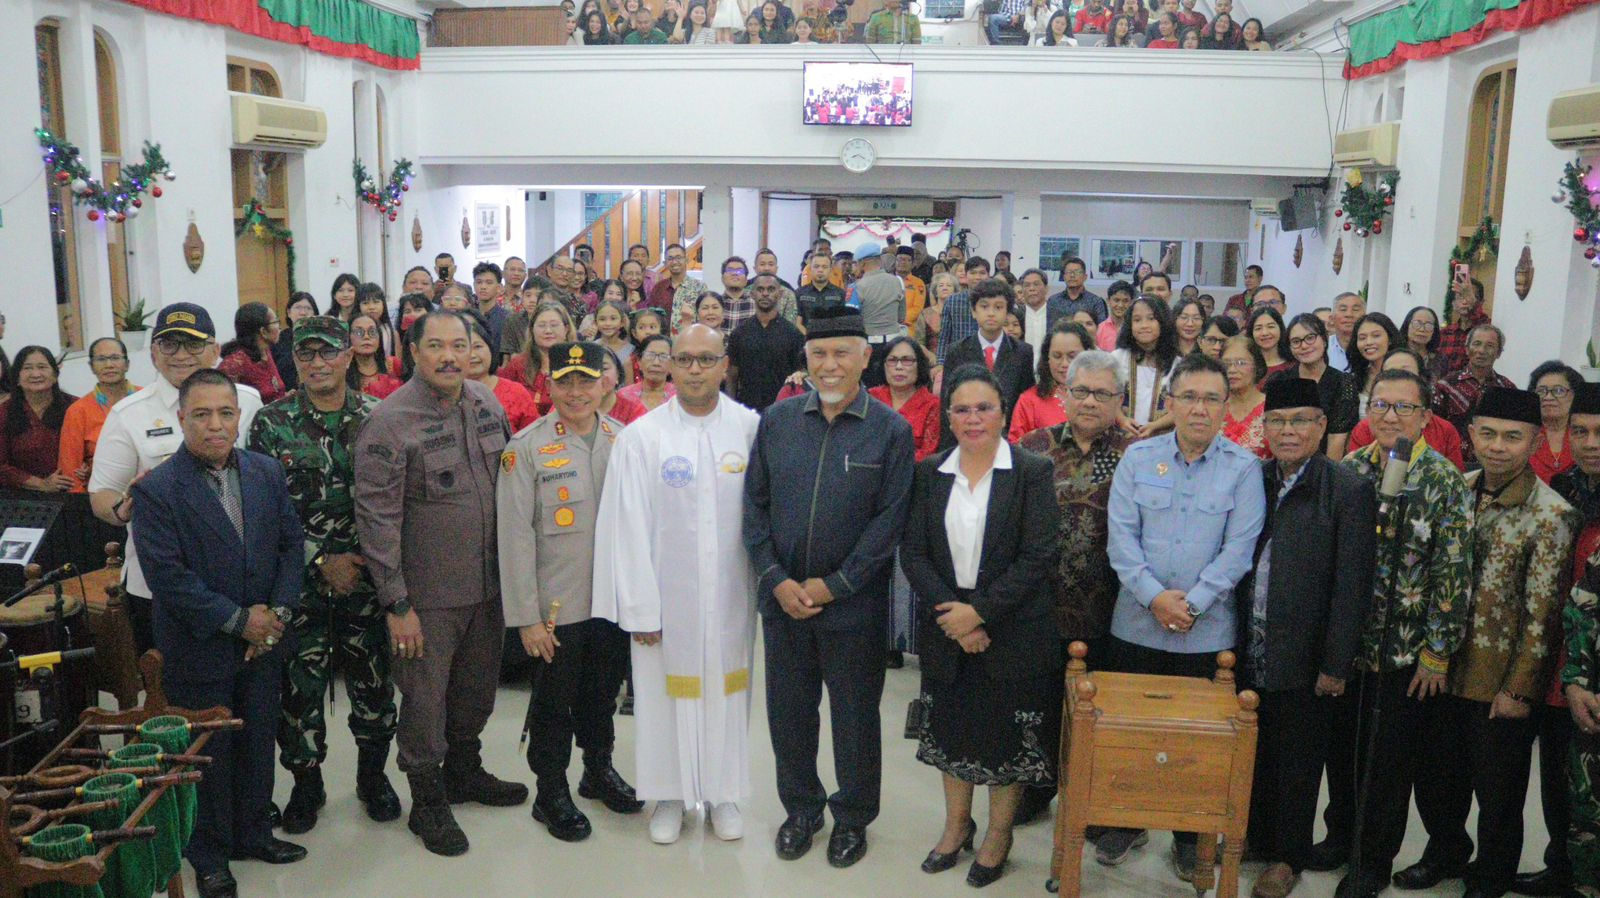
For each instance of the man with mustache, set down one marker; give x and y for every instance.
(425, 514)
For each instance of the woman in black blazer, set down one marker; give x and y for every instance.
(991, 660)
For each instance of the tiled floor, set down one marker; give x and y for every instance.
(512, 855)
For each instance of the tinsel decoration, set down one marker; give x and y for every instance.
(1363, 208)
(1580, 200)
(118, 201)
(255, 220)
(1484, 242)
(385, 199)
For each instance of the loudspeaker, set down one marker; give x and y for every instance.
(1298, 212)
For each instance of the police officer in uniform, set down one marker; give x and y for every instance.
(425, 515)
(141, 431)
(312, 432)
(549, 494)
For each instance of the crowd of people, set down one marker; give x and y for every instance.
(1157, 24)
(900, 453)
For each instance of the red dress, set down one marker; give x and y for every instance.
(517, 401)
(262, 375)
(1033, 412)
(32, 453)
(517, 369)
(1440, 435)
(921, 411)
(1548, 464)
(381, 385)
(627, 411)
(1248, 432)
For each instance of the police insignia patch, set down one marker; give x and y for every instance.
(552, 448)
(565, 517)
(557, 463)
(677, 471)
(563, 494)
(508, 461)
(561, 429)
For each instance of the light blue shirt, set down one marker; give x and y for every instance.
(1174, 524)
(1337, 358)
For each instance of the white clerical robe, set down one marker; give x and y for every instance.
(670, 557)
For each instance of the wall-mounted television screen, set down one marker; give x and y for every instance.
(858, 93)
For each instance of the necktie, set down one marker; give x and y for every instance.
(988, 357)
(229, 497)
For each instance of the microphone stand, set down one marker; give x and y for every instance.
(1397, 517)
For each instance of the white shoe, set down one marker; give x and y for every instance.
(666, 822)
(726, 822)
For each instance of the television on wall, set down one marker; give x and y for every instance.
(873, 94)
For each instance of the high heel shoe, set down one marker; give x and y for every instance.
(979, 875)
(938, 863)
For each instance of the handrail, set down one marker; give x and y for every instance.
(656, 218)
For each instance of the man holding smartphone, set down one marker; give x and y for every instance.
(444, 269)
(1466, 313)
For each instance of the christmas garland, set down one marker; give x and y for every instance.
(118, 201)
(387, 199)
(1363, 208)
(257, 222)
(1579, 198)
(1483, 242)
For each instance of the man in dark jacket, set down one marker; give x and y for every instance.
(1300, 617)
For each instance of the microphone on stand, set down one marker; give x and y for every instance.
(64, 572)
(1394, 481)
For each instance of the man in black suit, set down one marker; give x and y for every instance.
(1301, 613)
(223, 552)
(1010, 359)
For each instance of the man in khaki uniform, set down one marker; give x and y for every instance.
(549, 494)
(425, 513)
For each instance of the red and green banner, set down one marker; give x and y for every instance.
(348, 28)
(1424, 29)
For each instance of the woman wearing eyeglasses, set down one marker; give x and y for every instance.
(1241, 421)
(1555, 383)
(987, 637)
(1045, 405)
(520, 408)
(247, 358)
(653, 388)
(80, 429)
(1308, 343)
(1440, 434)
(368, 373)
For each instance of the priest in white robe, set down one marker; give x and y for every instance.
(671, 569)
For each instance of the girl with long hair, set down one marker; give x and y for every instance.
(371, 302)
(247, 358)
(343, 303)
(30, 435)
(1146, 349)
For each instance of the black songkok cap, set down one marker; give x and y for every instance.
(1586, 401)
(834, 320)
(1509, 405)
(1292, 392)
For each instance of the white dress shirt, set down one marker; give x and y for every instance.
(1035, 326)
(967, 514)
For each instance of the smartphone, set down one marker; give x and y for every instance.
(444, 272)
(1461, 271)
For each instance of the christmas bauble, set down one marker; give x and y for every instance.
(1590, 253)
(132, 212)
(79, 185)
(288, 241)
(1362, 232)
(1338, 213)
(170, 175)
(1388, 201)
(393, 216)
(1377, 227)
(406, 186)
(94, 214)
(156, 190)
(138, 203)
(1559, 197)
(63, 177)
(1347, 226)
(1595, 262)
(1579, 234)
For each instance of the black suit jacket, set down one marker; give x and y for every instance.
(1319, 586)
(1013, 368)
(1013, 595)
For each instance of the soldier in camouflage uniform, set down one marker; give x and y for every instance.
(1580, 675)
(312, 432)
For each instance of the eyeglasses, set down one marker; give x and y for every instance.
(1214, 341)
(656, 357)
(171, 345)
(1378, 407)
(1082, 393)
(1553, 392)
(1209, 400)
(1189, 319)
(982, 410)
(1238, 363)
(738, 271)
(363, 332)
(684, 360)
(1423, 324)
(325, 352)
(1297, 422)
(107, 359)
(1307, 340)
(898, 362)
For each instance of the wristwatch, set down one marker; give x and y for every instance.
(1193, 611)
(400, 608)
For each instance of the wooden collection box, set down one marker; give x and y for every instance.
(1148, 752)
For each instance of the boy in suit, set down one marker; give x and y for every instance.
(1010, 359)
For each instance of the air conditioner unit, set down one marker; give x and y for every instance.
(276, 124)
(1264, 206)
(1375, 145)
(1574, 119)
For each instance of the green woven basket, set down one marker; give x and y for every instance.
(62, 844)
(167, 846)
(131, 868)
(171, 732)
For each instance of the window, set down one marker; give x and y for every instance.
(596, 205)
(105, 77)
(261, 174)
(1218, 263)
(1055, 250)
(1483, 183)
(58, 197)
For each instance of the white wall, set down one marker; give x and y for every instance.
(791, 227)
(440, 210)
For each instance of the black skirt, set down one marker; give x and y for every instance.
(990, 732)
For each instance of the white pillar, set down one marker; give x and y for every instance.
(1027, 214)
(716, 224)
(81, 97)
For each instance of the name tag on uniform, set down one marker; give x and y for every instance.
(158, 432)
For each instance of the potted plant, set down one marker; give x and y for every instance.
(134, 325)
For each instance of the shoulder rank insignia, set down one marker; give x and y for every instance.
(552, 448)
(561, 429)
(1161, 469)
(604, 427)
(508, 461)
(557, 462)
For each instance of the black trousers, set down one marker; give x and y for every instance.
(1126, 657)
(575, 698)
(1291, 748)
(1403, 748)
(140, 614)
(1475, 756)
(233, 797)
(801, 658)
(1555, 729)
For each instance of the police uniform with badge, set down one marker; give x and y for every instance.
(141, 431)
(315, 446)
(549, 496)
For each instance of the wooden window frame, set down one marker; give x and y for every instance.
(69, 314)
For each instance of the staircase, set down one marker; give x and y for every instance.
(655, 218)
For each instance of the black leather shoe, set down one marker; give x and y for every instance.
(372, 786)
(1327, 856)
(1426, 874)
(554, 808)
(305, 800)
(274, 816)
(979, 876)
(1478, 891)
(894, 660)
(1034, 803)
(938, 863)
(794, 836)
(610, 789)
(275, 851)
(1548, 882)
(1371, 886)
(847, 845)
(217, 885)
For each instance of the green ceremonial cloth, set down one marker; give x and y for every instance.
(349, 22)
(61, 844)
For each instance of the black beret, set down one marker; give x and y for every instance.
(1509, 405)
(834, 320)
(1292, 392)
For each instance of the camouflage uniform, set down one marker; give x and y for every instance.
(1581, 620)
(315, 449)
